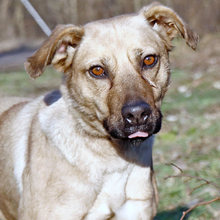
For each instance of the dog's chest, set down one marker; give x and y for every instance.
(112, 195)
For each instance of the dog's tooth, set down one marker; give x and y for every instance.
(145, 118)
(128, 120)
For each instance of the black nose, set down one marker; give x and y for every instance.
(136, 113)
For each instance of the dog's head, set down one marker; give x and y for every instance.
(116, 71)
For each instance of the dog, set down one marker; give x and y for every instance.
(84, 152)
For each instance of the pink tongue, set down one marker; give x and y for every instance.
(138, 134)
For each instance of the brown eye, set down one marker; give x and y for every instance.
(97, 71)
(150, 60)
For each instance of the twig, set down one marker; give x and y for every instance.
(175, 166)
(197, 188)
(199, 204)
(198, 178)
(190, 176)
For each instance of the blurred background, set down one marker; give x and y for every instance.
(190, 136)
(17, 27)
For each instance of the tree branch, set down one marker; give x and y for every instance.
(190, 176)
(197, 188)
(199, 204)
(172, 164)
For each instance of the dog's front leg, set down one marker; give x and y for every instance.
(140, 196)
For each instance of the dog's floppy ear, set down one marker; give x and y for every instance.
(168, 24)
(58, 49)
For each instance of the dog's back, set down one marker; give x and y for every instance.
(8, 102)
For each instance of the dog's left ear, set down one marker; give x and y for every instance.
(168, 24)
(58, 49)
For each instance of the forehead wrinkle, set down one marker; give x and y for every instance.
(133, 57)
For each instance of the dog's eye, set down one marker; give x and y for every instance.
(150, 61)
(97, 71)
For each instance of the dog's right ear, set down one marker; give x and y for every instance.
(58, 49)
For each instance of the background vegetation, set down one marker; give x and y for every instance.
(190, 137)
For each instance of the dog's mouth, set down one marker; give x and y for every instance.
(133, 135)
(137, 138)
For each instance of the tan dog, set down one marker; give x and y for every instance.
(84, 152)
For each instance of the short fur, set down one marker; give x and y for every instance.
(68, 155)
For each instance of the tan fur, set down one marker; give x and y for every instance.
(60, 160)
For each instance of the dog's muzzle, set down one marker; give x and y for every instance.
(137, 122)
